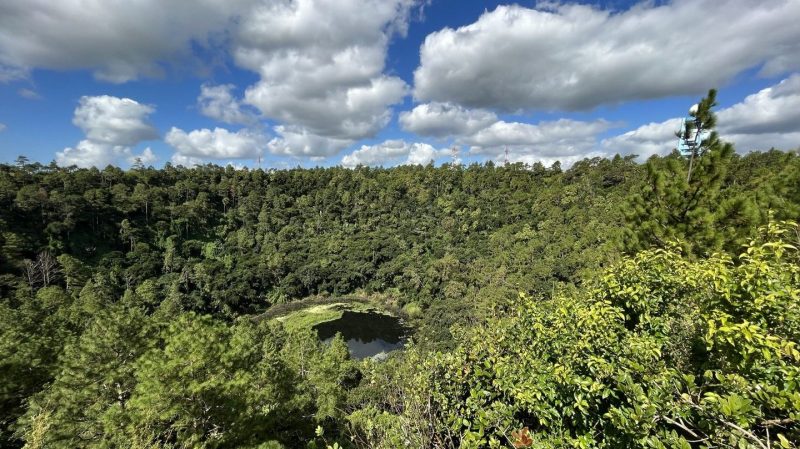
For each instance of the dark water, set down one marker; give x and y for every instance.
(368, 334)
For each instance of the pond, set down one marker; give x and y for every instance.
(367, 334)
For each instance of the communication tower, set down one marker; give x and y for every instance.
(691, 137)
(454, 154)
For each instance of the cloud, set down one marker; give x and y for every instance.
(118, 41)
(646, 140)
(146, 158)
(87, 154)
(186, 161)
(745, 143)
(775, 109)
(767, 119)
(422, 154)
(9, 73)
(393, 152)
(219, 103)
(320, 63)
(114, 121)
(217, 144)
(298, 141)
(445, 119)
(2, 127)
(576, 57)
(112, 127)
(562, 139)
(321, 66)
(564, 161)
(351, 113)
(484, 134)
(29, 94)
(547, 132)
(93, 154)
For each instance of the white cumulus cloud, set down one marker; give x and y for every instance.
(218, 102)
(186, 161)
(646, 140)
(147, 157)
(118, 40)
(112, 126)
(562, 139)
(114, 121)
(486, 135)
(218, 143)
(576, 57)
(87, 154)
(298, 141)
(445, 119)
(321, 66)
(393, 152)
(775, 109)
(767, 119)
(93, 154)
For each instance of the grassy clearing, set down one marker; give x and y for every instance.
(321, 313)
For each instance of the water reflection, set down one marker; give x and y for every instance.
(367, 334)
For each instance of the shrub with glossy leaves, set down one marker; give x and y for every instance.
(662, 351)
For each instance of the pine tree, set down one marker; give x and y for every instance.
(86, 404)
(682, 199)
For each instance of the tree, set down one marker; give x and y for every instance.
(86, 405)
(660, 351)
(682, 194)
(450, 247)
(42, 272)
(211, 385)
(76, 273)
(128, 233)
(22, 161)
(32, 334)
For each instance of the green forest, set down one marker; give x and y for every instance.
(614, 304)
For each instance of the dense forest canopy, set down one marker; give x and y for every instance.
(612, 304)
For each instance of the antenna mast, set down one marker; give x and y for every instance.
(454, 154)
(506, 158)
(690, 137)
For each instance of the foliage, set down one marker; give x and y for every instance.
(197, 382)
(684, 199)
(129, 304)
(662, 351)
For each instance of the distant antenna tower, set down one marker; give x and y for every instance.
(690, 137)
(454, 154)
(506, 158)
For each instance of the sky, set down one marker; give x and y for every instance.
(286, 83)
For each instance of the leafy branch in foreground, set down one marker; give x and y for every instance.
(663, 351)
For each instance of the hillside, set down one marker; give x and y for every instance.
(610, 304)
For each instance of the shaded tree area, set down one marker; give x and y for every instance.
(229, 242)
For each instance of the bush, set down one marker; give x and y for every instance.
(662, 351)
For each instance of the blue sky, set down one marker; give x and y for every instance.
(385, 82)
